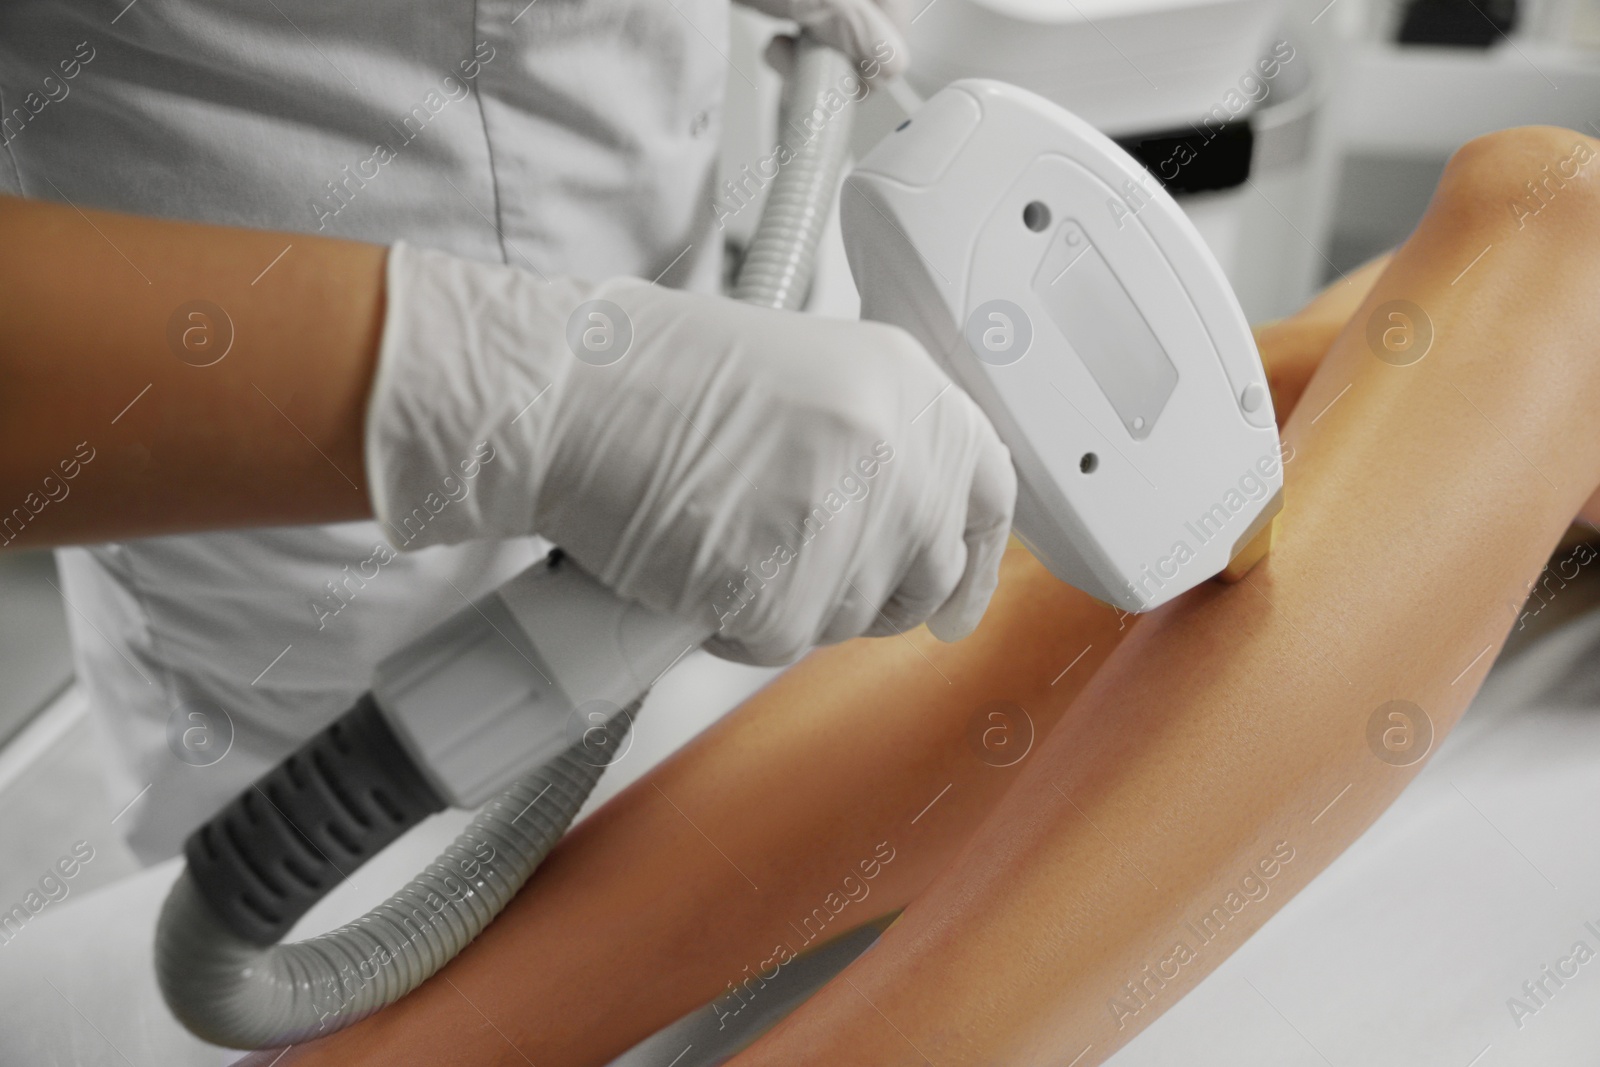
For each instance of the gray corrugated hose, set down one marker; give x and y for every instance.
(234, 992)
(777, 268)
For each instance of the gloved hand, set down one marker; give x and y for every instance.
(858, 28)
(793, 479)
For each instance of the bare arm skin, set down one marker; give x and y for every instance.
(1420, 503)
(269, 435)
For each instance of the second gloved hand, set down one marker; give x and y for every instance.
(790, 479)
(868, 31)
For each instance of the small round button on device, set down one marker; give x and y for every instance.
(1254, 395)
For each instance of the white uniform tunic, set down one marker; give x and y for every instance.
(569, 136)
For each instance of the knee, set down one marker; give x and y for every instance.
(1512, 180)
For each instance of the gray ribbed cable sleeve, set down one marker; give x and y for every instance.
(777, 267)
(230, 991)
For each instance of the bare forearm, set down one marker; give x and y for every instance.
(1229, 736)
(208, 381)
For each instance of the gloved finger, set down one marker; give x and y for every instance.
(927, 580)
(779, 54)
(735, 651)
(927, 584)
(898, 13)
(773, 629)
(991, 502)
(861, 29)
(859, 612)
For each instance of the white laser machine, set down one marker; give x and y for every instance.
(1059, 286)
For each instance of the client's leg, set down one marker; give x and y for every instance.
(1293, 348)
(828, 799)
(1240, 739)
(641, 914)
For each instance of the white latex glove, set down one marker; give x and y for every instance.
(859, 28)
(797, 480)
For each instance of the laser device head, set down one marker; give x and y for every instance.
(1069, 295)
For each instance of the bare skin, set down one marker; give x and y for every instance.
(268, 435)
(1198, 752)
(1293, 348)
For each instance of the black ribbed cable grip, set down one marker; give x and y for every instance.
(307, 824)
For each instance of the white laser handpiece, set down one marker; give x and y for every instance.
(1069, 295)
